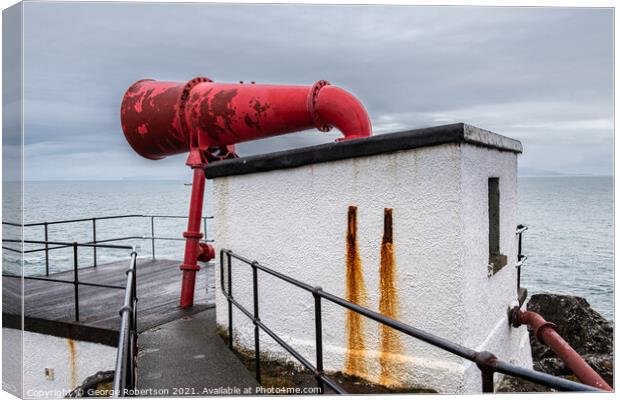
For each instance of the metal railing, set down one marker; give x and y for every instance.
(127, 351)
(521, 258)
(487, 363)
(125, 369)
(94, 240)
(76, 280)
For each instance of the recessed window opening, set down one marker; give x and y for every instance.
(494, 217)
(496, 259)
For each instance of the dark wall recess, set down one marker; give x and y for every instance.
(496, 260)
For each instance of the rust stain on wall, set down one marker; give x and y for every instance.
(388, 303)
(72, 363)
(355, 362)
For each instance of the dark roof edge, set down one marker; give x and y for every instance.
(379, 144)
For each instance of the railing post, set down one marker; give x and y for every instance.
(94, 242)
(487, 381)
(256, 319)
(76, 282)
(519, 277)
(222, 269)
(47, 255)
(230, 310)
(318, 334)
(485, 361)
(204, 220)
(520, 255)
(153, 237)
(133, 330)
(135, 295)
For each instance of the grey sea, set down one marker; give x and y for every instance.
(569, 242)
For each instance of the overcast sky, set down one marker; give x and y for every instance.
(543, 76)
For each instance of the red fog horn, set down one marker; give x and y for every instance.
(165, 118)
(207, 119)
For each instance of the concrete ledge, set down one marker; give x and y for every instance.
(61, 329)
(380, 144)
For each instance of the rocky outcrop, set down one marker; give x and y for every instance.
(97, 385)
(587, 331)
(579, 324)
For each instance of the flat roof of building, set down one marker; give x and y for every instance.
(374, 145)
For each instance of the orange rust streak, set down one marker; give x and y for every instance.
(72, 363)
(388, 303)
(355, 363)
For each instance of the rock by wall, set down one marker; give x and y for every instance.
(587, 331)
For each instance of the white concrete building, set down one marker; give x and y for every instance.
(52, 365)
(453, 192)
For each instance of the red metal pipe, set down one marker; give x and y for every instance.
(207, 119)
(192, 238)
(340, 109)
(546, 333)
(165, 118)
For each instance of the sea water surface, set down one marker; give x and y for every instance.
(569, 242)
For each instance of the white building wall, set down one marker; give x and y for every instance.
(72, 361)
(488, 299)
(295, 220)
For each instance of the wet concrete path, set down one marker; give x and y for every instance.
(186, 357)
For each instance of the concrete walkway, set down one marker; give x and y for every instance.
(186, 357)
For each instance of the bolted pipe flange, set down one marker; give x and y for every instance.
(207, 252)
(313, 97)
(189, 267)
(192, 235)
(541, 328)
(513, 317)
(182, 102)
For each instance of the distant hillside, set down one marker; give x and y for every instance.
(525, 172)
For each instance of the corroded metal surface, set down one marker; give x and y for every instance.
(166, 118)
(546, 333)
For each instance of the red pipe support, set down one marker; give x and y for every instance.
(192, 238)
(546, 333)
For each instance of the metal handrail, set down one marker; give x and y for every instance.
(487, 363)
(67, 244)
(67, 221)
(521, 229)
(521, 258)
(125, 371)
(127, 351)
(76, 280)
(90, 244)
(94, 240)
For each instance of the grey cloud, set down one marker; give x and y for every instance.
(543, 76)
